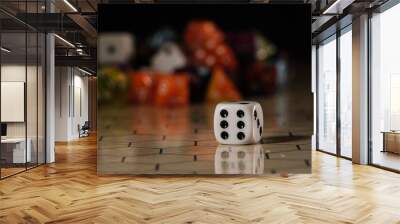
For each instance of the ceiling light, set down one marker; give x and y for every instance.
(70, 5)
(5, 50)
(64, 40)
(84, 71)
(338, 6)
(80, 51)
(326, 11)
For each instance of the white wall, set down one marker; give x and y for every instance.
(71, 94)
(33, 127)
(16, 73)
(12, 73)
(81, 84)
(62, 82)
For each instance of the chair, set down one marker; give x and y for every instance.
(84, 130)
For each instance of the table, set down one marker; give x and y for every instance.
(145, 139)
(13, 150)
(391, 141)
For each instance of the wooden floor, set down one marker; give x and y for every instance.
(387, 159)
(69, 191)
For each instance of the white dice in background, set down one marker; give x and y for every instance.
(168, 58)
(239, 159)
(238, 122)
(115, 48)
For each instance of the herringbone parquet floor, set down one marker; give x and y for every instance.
(69, 191)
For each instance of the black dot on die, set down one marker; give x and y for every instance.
(258, 123)
(260, 130)
(240, 113)
(240, 135)
(240, 124)
(224, 135)
(223, 113)
(255, 114)
(224, 124)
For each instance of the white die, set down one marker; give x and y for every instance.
(238, 122)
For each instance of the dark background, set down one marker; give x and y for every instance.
(288, 26)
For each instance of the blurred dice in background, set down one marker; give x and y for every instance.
(115, 48)
(221, 88)
(260, 79)
(171, 90)
(112, 85)
(207, 46)
(201, 63)
(141, 89)
(168, 58)
(159, 88)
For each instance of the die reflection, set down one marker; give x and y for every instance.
(239, 159)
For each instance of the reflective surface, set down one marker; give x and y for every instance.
(385, 87)
(327, 96)
(156, 140)
(346, 94)
(22, 78)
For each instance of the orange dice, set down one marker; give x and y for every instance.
(160, 89)
(141, 87)
(207, 46)
(171, 90)
(221, 88)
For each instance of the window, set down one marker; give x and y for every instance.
(385, 88)
(327, 96)
(22, 77)
(346, 93)
(334, 137)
